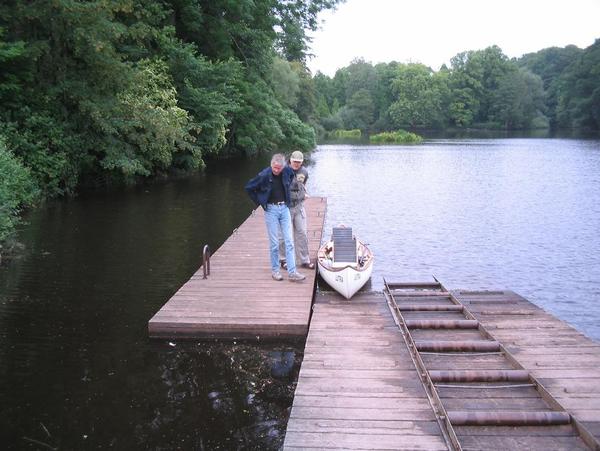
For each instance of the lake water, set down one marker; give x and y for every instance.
(77, 370)
(520, 214)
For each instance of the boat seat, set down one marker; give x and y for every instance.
(344, 245)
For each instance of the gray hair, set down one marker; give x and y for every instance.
(279, 159)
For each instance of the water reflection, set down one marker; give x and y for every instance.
(77, 369)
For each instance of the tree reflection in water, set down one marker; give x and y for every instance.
(223, 396)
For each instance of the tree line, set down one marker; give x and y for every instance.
(97, 92)
(555, 87)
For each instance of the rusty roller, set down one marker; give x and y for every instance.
(507, 418)
(421, 294)
(413, 285)
(442, 324)
(458, 346)
(479, 376)
(430, 308)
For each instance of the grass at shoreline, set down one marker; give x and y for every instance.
(396, 137)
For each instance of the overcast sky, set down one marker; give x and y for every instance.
(433, 31)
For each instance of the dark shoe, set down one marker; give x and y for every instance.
(284, 265)
(308, 265)
(276, 275)
(296, 277)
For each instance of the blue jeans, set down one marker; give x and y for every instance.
(277, 217)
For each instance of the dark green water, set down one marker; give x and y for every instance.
(77, 369)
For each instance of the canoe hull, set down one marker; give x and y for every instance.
(346, 281)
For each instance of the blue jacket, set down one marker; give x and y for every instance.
(259, 188)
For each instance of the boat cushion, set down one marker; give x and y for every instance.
(344, 245)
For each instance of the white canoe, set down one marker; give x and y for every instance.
(348, 269)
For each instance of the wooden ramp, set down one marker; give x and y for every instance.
(488, 399)
(358, 388)
(240, 299)
(499, 372)
(565, 361)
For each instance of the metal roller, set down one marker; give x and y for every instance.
(442, 324)
(421, 294)
(479, 376)
(430, 308)
(414, 285)
(458, 346)
(507, 418)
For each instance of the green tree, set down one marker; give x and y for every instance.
(579, 91)
(293, 19)
(518, 100)
(285, 82)
(360, 75)
(359, 111)
(13, 58)
(383, 95)
(307, 99)
(549, 64)
(417, 97)
(475, 76)
(495, 65)
(207, 91)
(149, 125)
(17, 190)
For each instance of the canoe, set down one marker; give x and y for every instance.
(345, 262)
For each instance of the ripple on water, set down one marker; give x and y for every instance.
(521, 214)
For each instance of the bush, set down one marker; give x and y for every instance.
(17, 190)
(540, 122)
(331, 123)
(343, 134)
(53, 154)
(397, 137)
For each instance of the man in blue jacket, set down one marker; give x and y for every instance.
(271, 190)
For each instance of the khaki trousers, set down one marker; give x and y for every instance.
(298, 214)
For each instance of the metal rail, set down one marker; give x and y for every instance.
(206, 261)
(441, 415)
(487, 346)
(588, 438)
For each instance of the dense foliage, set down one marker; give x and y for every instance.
(481, 89)
(343, 134)
(109, 91)
(17, 189)
(100, 90)
(396, 137)
(95, 91)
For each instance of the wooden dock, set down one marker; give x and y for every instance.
(239, 299)
(357, 387)
(494, 372)
(565, 361)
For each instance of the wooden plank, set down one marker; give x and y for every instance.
(332, 440)
(358, 388)
(362, 402)
(470, 402)
(377, 427)
(522, 442)
(240, 299)
(460, 362)
(483, 393)
(563, 360)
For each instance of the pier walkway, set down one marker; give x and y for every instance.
(443, 369)
(563, 360)
(358, 388)
(239, 299)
